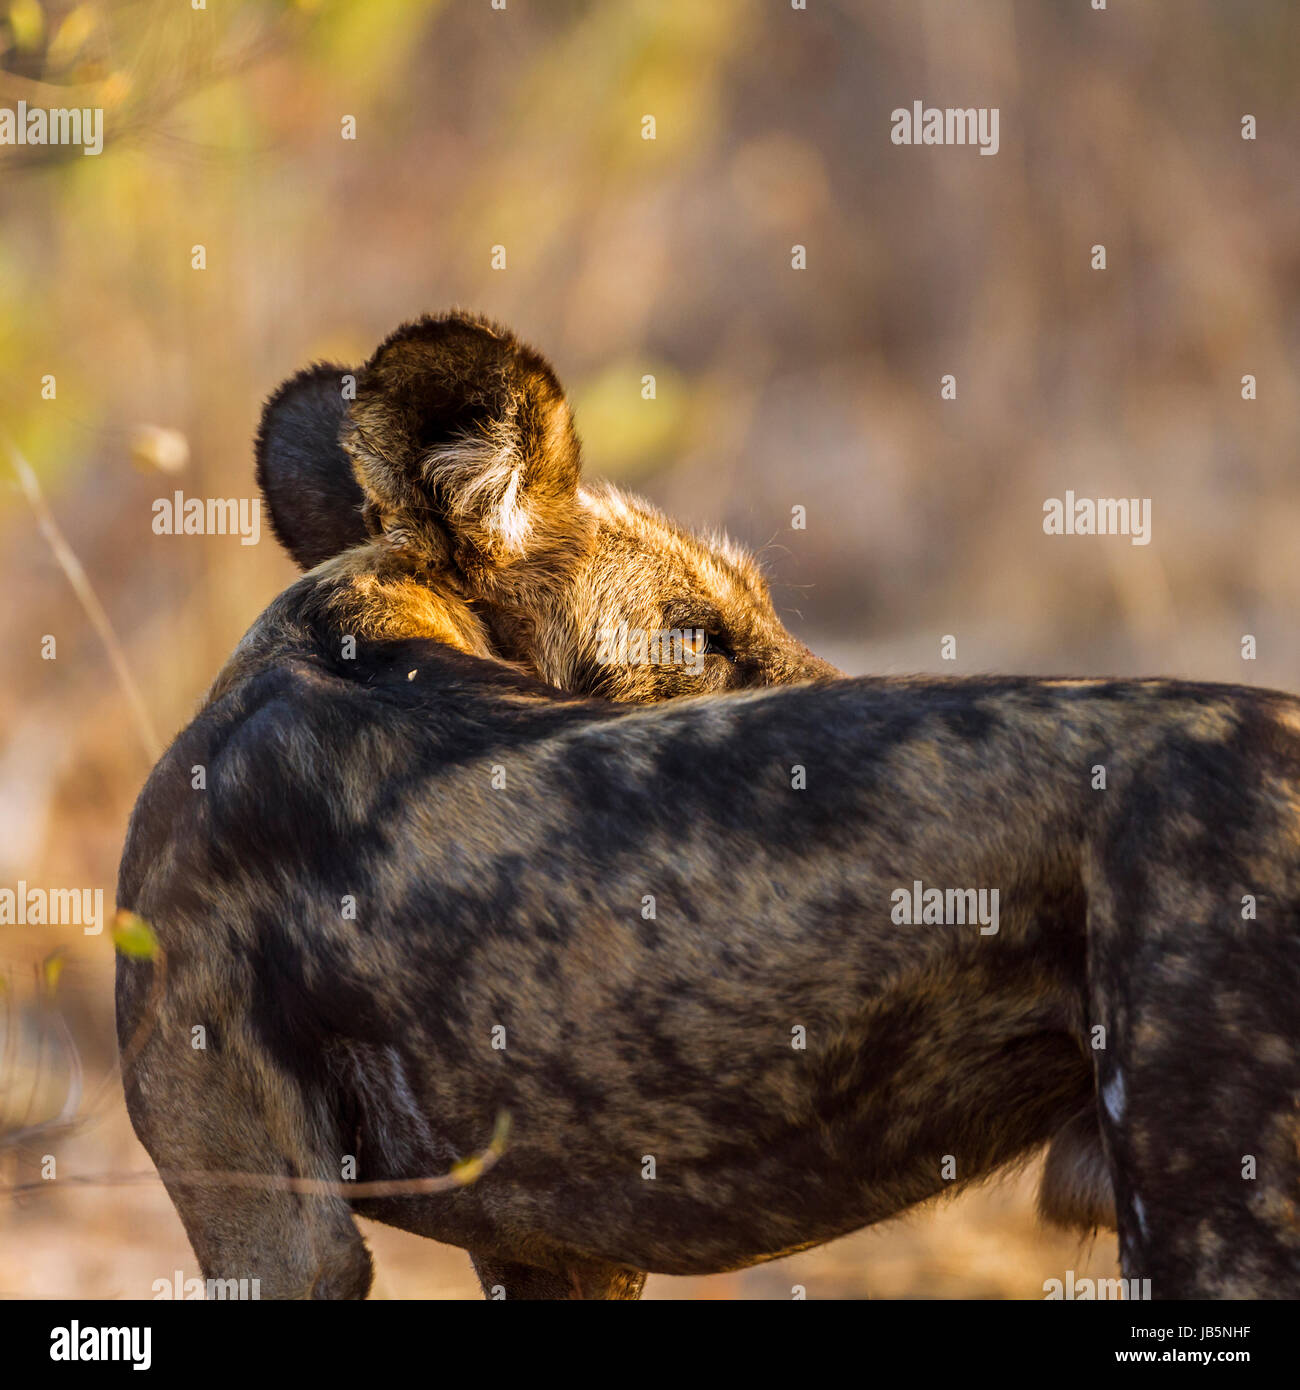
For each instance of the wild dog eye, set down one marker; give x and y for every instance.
(697, 632)
(705, 643)
(695, 642)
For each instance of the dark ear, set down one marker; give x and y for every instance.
(461, 434)
(305, 476)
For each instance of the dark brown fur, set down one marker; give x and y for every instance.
(370, 777)
(670, 1037)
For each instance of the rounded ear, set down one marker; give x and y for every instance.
(305, 476)
(460, 433)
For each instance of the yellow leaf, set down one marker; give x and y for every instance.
(27, 24)
(500, 1133)
(468, 1170)
(51, 969)
(133, 936)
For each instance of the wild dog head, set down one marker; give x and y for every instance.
(442, 481)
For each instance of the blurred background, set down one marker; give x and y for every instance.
(478, 128)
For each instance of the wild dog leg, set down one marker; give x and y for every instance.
(295, 1245)
(230, 1133)
(1194, 970)
(1076, 1191)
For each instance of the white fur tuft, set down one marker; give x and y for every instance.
(482, 476)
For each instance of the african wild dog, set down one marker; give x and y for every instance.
(636, 569)
(766, 831)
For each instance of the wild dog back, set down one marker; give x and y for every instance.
(515, 914)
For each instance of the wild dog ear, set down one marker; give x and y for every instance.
(460, 434)
(305, 476)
